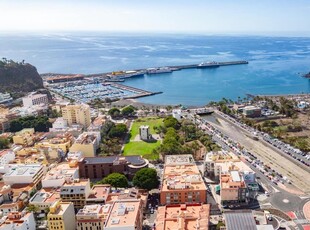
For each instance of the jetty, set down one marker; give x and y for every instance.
(193, 66)
(137, 92)
(173, 67)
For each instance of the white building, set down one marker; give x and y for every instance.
(18, 221)
(24, 174)
(5, 98)
(92, 216)
(60, 123)
(57, 176)
(35, 99)
(6, 156)
(44, 199)
(144, 132)
(217, 163)
(77, 155)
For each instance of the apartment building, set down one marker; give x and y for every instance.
(182, 182)
(92, 217)
(61, 216)
(6, 156)
(77, 114)
(24, 174)
(125, 214)
(87, 143)
(183, 216)
(35, 99)
(24, 137)
(75, 191)
(44, 199)
(19, 221)
(58, 175)
(60, 141)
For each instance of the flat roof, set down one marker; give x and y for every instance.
(135, 160)
(179, 177)
(63, 206)
(179, 159)
(185, 217)
(46, 197)
(123, 213)
(237, 220)
(24, 170)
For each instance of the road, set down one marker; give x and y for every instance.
(300, 178)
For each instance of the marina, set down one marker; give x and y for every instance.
(85, 88)
(86, 91)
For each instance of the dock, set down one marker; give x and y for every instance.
(137, 92)
(175, 67)
(193, 66)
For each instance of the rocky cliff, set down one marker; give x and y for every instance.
(18, 78)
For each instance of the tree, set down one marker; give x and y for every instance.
(114, 112)
(171, 122)
(118, 130)
(4, 143)
(146, 179)
(32, 208)
(39, 123)
(128, 111)
(116, 180)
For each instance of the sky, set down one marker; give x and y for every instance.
(290, 17)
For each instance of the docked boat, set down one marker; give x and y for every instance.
(159, 70)
(212, 64)
(129, 74)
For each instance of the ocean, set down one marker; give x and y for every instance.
(275, 63)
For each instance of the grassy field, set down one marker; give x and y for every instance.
(144, 121)
(141, 147)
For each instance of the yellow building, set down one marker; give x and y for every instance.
(77, 114)
(87, 143)
(24, 137)
(62, 142)
(61, 216)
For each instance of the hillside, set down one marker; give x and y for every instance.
(18, 78)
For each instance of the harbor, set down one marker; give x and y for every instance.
(85, 88)
(85, 91)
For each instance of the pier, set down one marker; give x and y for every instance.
(137, 92)
(193, 66)
(174, 67)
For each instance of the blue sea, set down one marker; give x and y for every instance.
(274, 62)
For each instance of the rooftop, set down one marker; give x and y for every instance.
(60, 208)
(236, 220)
(99, 192)
(43, 196)
(123, 213)
(178, 177)
(135, 160)
(185, 217)
(24, 170)
(87, 138)
(4, 152)
(179, 159)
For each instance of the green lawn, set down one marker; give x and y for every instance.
(144, 121)
(141, 148)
